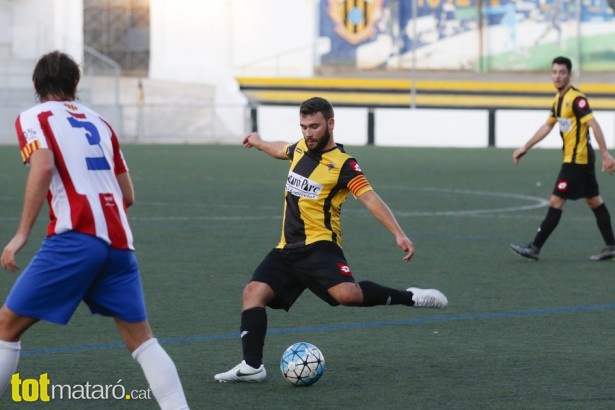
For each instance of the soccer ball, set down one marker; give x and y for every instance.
(302, 364)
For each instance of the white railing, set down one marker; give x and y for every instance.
(96, 63)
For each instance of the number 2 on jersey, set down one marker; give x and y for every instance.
(91, 133)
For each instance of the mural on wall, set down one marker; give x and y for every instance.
(476, 35)
(354, 21)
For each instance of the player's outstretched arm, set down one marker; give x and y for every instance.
(37, 186)
(385, 216)
(273, 148)
(538, 136)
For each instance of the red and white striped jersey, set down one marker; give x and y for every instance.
(84, 194)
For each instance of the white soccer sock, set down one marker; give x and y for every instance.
(9, 357)
(161, 374)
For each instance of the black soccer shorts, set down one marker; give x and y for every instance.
(317, 267)
(576, 181)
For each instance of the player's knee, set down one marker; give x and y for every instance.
(253, 288)
(12, 325)
(256, 294)
(594, 202)
(347, 294)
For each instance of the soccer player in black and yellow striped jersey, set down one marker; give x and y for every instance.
(309, 254)
(577, 177)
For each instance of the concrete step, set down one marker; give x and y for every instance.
(15, 73)
(5, 50)
(169, 111)
(12, 65)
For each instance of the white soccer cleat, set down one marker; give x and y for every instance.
(605, 254)
(428, 298)
(243, 372)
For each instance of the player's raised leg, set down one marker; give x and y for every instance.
(367, 294)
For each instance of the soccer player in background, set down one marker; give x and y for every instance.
(75, 162)
(577, 176)
(309, 254)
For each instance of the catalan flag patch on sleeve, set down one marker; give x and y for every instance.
(28, 149)
(359, 185)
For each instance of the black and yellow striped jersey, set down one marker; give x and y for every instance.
(571, 111)
(316, 187)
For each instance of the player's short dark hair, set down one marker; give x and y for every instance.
(56, 74)
(317, 104)
(563, 61)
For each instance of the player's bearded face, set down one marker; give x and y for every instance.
(318, 144)
(315, 132)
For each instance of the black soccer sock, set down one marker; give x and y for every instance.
(253, 330)
(547, 226)
(603, 219)
(376, 295)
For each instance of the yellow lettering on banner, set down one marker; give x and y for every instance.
(30, 390)
(44, 387)
(16, 388)
(41, 389)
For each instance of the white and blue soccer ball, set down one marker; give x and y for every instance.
(302, 364)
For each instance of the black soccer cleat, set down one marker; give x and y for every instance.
(530, 251)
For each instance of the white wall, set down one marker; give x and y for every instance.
(196, 40)
(41, 26)
(515, 127)
(263, 42)
(6, 23)
(211, 42)
(282, 123)
(399, 127)
(431, 127)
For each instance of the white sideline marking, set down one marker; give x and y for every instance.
(535, 202)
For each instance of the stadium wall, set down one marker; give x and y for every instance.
(39, 26)
(239, 36)
(212, 42)
(399, 127)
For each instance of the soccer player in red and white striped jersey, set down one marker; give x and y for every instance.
(76, 165)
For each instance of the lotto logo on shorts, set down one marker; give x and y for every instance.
(562, 185)
(344, 269)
